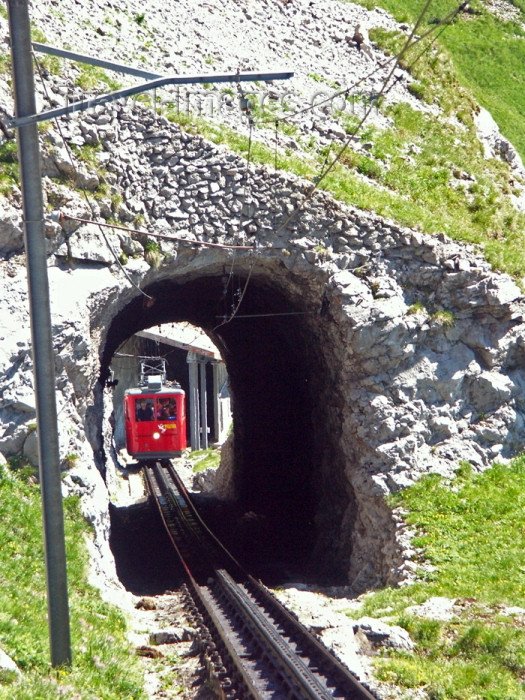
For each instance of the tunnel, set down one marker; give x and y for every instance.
(288, 487)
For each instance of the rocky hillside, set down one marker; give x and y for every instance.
(409, 345)
(413, 133)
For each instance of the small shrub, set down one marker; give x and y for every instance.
(7, 677)
(417, 89)
(70, 460)
(8, 152)
(416, 308)
(369, 168)
(443, 318)
(153, 254)
(24, 470)
(322, 252)
(91, 77)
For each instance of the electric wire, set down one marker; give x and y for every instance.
(162, 236)
(411, 41)
(235, 306)
(416, 40)
(428, 46)
(325, 169)
(276, 313)
(408, 44)
(198, 333)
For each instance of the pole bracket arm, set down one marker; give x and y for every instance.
(156, 81)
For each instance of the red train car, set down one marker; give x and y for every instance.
(155, 422)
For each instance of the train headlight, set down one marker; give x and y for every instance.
(156, 436)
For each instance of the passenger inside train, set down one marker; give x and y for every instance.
(144, 410)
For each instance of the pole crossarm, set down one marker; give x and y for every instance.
(92, 61)
(156, 81)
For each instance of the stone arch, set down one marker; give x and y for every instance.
(289, 465)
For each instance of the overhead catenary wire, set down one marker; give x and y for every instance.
(170, 237)
(411, 41)
(163, 236)
(428, 46)
(277, 313)
(408, 44)
(338, 93)
(186, 344)
(103, 225)
(245, 105)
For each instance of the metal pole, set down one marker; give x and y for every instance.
(43, 358)
(191, 359)
(204, 406)
(216, 403)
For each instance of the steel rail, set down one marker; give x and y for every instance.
(246, 619)
(157, 486)
(304, 637)
(285, 658)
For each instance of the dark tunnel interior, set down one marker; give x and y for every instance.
(272, 351)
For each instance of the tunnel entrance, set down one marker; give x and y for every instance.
(279, 371)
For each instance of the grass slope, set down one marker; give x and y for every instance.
(488, 53)
(103, 663)
(471, 542)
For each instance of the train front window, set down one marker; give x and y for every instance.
(166, 409)
(144, 409)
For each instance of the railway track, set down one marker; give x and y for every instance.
(253, 647)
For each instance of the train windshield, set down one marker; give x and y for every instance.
(166, 409)
(155, 409)
(144, 409)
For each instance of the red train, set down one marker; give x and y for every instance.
(155, 418)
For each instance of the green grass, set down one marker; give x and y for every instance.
(443, 318)
(239, 143)
(88, 153)
(153, 254)
(488, 55)
(205, 459)
(103, 663)
(47, 63)
(91, 77)
(473, 537)
(9, 171)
